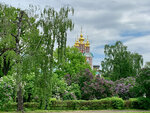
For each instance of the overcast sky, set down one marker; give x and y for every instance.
(105, 22)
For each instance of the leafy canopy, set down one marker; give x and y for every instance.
(74, 62)
(119, 62)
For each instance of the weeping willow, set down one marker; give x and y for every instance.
(54, 26)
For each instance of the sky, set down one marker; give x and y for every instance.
(105, 22)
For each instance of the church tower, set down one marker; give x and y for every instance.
(84, 47)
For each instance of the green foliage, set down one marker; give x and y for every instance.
(7, 42)
(27, 105)
(61, 90)
(31, 105)
(74, 62)
(107, 103)
(131, 103)
(54, 25)
(143, 82)
(7, 89)
(116, 103)
(24, 51)
(29, 89)
(72, 93)
(119, 62)
(16, 35)
(59, 87)
(144, 103)
(138, 103)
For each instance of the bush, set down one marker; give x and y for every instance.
(11, 106)
(116, 103)
(7, 87)
(29, 88)
(143, 103)
(138, 103)
(27, 105)
(64, 91)
(95, 87)
(31, 105)
(143, 82)
(124, 87)
(107, 103)
(103, 88)
(134, 103)
(72, 93)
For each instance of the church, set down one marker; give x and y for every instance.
(84, 47)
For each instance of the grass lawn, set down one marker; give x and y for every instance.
(83, 111)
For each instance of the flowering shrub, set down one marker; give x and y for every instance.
(92, 87)
(123, 87)
(64, 89)
(72, 93)
(7, 85)
(98, 88)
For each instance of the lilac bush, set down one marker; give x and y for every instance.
(123, 87)
(83, 78)
(7, 86)
(98, 88)
(92, 87)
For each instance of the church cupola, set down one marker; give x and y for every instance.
(87, 46)
(81, 39)
(76, 44)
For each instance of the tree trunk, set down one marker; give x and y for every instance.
(20, 99)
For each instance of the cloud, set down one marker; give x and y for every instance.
(140, 45)
(105, 22)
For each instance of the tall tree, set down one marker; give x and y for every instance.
(119, 62)
(54, 26)
(16, 34)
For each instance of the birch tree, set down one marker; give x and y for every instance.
(17, 31)
(54, 27)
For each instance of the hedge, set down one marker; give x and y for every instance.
(138, 103)
(106, 103)
(27, 105)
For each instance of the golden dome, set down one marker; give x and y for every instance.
(87, 44)
(81, 39)
(76, 43)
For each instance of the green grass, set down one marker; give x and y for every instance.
(84, 111)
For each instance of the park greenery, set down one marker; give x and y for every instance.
(35, 75)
